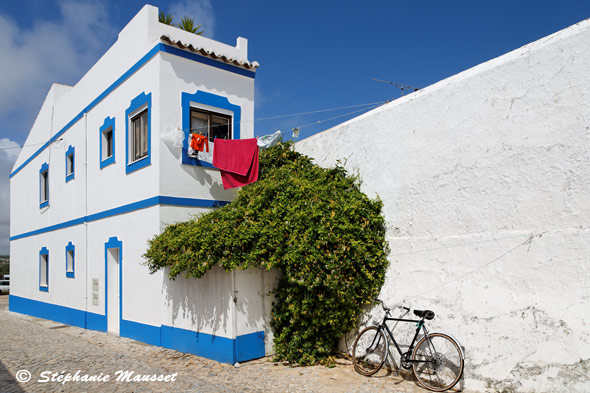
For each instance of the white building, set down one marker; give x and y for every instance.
(485, 180)
(95, 181)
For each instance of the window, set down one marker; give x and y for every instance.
(138, 132)
(210, 114)
(44, 185)
(107, 147)
(215, 125)
(70, 263)
(139, 136)
(107, 142)
(70, 164)
(44, 269)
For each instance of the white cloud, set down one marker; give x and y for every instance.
(8, 152)
(61, 50)
(200, 10)
(33, 57)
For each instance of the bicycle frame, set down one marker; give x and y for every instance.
(420, 325)
(436, 359)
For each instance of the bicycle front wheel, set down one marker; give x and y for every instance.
(437, 362)
(369, 351)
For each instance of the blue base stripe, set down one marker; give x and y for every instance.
(250, 346)
(222, 349)
(201, 344)
(96, 322)
(141, 332)
(53, 312)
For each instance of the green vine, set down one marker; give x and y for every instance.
(312, 223)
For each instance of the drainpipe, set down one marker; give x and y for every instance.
(85, 216)
(234, 314)
(263, 296)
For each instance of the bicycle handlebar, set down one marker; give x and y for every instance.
(382, 304)
(387, 309)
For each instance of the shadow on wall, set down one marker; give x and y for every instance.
(254, 299)
(200, 304)
(207, 305)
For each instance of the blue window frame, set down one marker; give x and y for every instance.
(44, 269)
(44, 185)
(70, 260)
(70, 168)
(107, 142)
(138, 119)
(212, 101)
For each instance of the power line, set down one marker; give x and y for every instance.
(322, 110)
(400, 86)
(31, 144)
(336, 117)
(370, 105)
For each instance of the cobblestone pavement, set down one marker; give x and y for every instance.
(38, 345)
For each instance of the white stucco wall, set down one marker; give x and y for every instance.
(221, 304)
(485, 178)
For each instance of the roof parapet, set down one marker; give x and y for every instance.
(211, 53)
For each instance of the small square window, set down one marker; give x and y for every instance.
(70, 163)
(210, 124)
(44, 270)
(220, 127)
(214, 125)
(44, 186)
(107, 142)
(139, 135)
(215, 112)
(70, 260)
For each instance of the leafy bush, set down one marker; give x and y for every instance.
(313, 224)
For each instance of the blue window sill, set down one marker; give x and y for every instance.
(188, 160)
(107, 162)
(141, 163)
(43, 204)
(44, 289)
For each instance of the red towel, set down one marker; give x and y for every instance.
(237, 160)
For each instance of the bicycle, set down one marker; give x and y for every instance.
(437, 360)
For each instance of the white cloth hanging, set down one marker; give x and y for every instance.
(173, 138)
(267, 141)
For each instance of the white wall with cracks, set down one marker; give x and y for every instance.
(485, 179)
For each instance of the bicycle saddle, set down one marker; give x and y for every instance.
(426, 314)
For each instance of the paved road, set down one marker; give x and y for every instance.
(49, 350)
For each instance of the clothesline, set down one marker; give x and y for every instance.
(370, 105)
(367, 106)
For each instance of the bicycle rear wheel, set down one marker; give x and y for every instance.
(437, 362)
(369, 351)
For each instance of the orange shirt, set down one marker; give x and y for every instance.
(198, 142)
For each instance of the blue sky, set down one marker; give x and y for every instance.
(314, 54)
